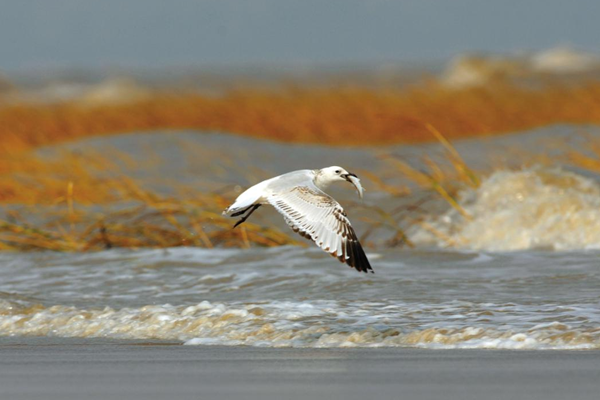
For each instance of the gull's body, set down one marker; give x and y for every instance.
(299, 196)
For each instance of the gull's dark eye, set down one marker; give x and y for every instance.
(337, 171)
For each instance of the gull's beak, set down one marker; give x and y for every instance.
(353, 179)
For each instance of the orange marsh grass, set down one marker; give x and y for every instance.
(79, 202)
(84, 202)
(341, 114)
(67, 211)
(141, 218)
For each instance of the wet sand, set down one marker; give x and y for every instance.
(65, 369)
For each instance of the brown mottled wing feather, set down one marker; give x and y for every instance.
(318, 217)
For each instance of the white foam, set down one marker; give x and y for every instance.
(534, 208)
(304, 324)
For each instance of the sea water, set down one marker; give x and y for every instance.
(298, 297)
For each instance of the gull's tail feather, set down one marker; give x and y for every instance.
(244, 201)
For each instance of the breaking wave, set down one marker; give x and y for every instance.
(535, 208)
(303, 324)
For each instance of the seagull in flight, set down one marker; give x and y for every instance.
(299, 196)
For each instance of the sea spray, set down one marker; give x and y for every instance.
(534, 208)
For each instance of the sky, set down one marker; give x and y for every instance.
(41, 34)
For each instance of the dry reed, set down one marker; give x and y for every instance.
(332, 115)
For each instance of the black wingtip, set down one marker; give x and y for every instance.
(358, 259)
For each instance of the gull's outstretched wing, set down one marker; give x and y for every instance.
(317, 216)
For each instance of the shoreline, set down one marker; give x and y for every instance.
(32, 368)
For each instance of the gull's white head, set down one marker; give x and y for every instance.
(326, 176)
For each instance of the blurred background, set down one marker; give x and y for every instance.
(149, 34)
(134, 123)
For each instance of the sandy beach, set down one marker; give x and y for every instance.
(65, 369)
